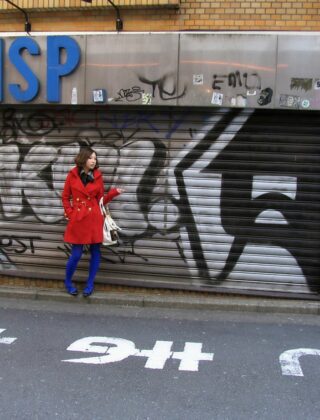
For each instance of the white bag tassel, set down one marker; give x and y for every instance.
(110, 228)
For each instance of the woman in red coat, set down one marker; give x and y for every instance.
(80, 197)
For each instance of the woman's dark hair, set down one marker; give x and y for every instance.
(83, 156)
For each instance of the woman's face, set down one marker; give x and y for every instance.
(91, 162)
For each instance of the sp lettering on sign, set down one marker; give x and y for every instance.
(61, 58)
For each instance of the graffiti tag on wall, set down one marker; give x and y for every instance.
(229, 204)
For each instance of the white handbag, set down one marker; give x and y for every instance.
(110, 228)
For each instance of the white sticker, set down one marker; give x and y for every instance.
(99, 95)
(74, 96)
(197, 79)
(251, 92)
(289, 101)
(239, 100)
(217, 98)
(146, 99)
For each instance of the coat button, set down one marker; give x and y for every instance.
(78, 198)
(88, 198)
(78, 209)
(89, 208)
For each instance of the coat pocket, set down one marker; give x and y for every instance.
(71, 215)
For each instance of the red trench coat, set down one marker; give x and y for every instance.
(81, 206)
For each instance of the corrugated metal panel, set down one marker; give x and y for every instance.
(217, 199)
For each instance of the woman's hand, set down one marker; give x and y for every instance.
(120, 190)
(68, 216)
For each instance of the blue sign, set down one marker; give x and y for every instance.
(15, 55)
(55, 69)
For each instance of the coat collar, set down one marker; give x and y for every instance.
(96, 172)
(78, 183)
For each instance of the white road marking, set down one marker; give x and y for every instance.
(290, 363)
(6, 340)
(121, 349)
(191, 356)
(158, 356)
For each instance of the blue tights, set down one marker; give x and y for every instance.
(76, 254)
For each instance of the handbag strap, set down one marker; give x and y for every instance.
(102, 207)
(106, 214)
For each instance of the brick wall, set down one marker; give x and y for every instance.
(161, 15)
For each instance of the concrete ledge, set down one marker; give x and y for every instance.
(17, 293)
(172, 300)
(236, 304)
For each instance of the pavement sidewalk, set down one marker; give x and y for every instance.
(168, 299)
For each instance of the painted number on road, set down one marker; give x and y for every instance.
(290, 360)
(117, 349)
(6, 340)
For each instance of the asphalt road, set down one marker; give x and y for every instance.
(78, 361)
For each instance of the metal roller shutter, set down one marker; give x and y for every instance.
(217, 199)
